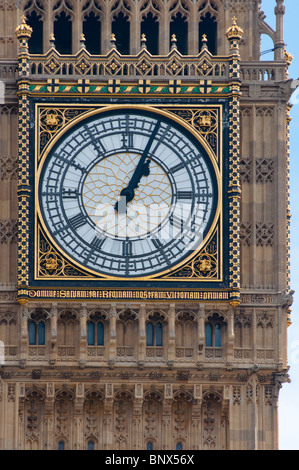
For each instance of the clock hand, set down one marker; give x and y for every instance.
(142, 169)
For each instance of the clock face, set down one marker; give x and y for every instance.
(127, 193)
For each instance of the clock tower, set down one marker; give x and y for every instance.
(144, 296)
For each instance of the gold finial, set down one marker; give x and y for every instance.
(173, 41)
(112, 40)
(143, 40)
(82, 40)
(235, 31)
(23, 30)
(204, 41)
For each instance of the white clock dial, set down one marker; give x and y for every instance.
(127, 193)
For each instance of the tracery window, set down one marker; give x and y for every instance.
(208, 27)
(95, 331)
(121, 12)
(150, 28)
(92, 26)
(154, 334)
(37, 329)
(63, 27)
(184, 334)
(126, 331)
(215, 331)
(67, 333)
(35, 43)
(208, 15)
(179, 28)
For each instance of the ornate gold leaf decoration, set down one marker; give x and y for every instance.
(52, 264)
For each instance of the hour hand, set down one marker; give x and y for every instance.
(127, 194)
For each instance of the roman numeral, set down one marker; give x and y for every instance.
(127, 139)
(184, 194)
(69, 193)
(77, 221)
(97, 243)
(177, 167)
(127, 248)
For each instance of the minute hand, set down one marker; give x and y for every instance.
(129, 191)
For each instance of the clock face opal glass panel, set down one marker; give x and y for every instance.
(127, 193)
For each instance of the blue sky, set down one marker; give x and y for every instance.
(289, 394)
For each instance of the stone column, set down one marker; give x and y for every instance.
(24, 336)
(53, 339)
(78, 417)
(201, 332)
(83, 336)
(137, 435)
(142, 333)
(279, 42)
(230, 337)
(108, 418)
(112, 335)
(49, 417)
(171, 333)
(166, 418)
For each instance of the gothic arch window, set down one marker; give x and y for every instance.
(208, 27)
(179, 28)
(92, 26)
(184, 333)
(61, 445)
(179, 446)
(121, 15)
(35, 43)
(149, 446)
(63, 27)
(215, 334)
(154, 333)
(36, 333)
(67, 333)
(126, 330)
(90, 445)
(150, 28)
(96, 330)
(208, 24)
(37, 329)
(8, 333)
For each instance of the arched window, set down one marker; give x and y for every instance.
(208, 26)
(154, 334)
(90, 445)
(213, 334)
(179, 27)
(150, 27)
(209, 337)
(63, 33)
(121, 29)
(149, 446)
(92, 33)
(95, 333)
(179, 446)
(36, 331)
(35, 42)
(61, 445)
